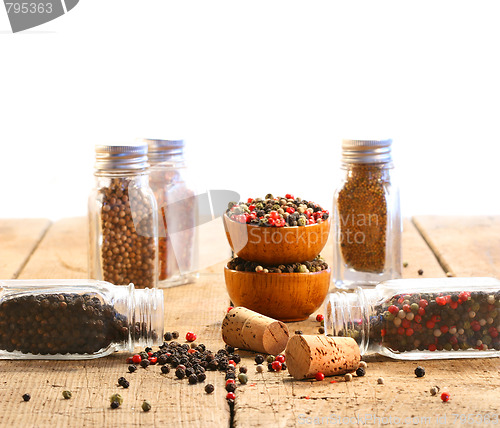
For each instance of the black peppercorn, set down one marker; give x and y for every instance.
(230, 375)
(26, 397)
(165, 369)
(298, 332)
(360, 371)
(175, 334)
(236, 358)
(168, 336)
(420, 372)
(132, 368)
(115, 404)
(145, 364)
(243, 369)
(231, 387)
(201, 377)
(180, 373)
(259, 359)
(270, 367)
(283, 366)
(193, 379)
(229, 349)
(209, 388)
(420, 272)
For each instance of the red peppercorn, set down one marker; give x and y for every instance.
(231, 362)
(152, 360)
(280, 358)
(274, 215)
(190, 336)
(441, 301)
(409, 332)
(417, 319)
(401, 331)
(383, 332)
(421, 311)
(319, 376)
(453, 305)
(229, 308)
(136, 359)
(289, 196)
(393, 309)
(149, 354)
(432, 347)
(290, 210)
(423, 303)
(129, 360)
(430, 324)
(249, 200)
(230, 381)
(405, 323)
(444, 329)
(445, 396)
(230, 396)
(251, 207)
(406, 308)
(319, 317)
(277, 366)
(270, 221)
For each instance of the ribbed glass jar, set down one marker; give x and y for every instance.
(123, 230)
(173, 187)
(420, 319)
(366, 216)
(76, 319)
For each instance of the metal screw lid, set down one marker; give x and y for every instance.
(130, 157)
(162, 150)
(366, 151)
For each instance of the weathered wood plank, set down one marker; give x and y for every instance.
(18, 239)
(465, 246)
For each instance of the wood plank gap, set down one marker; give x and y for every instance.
(437, 254)
(35, 247)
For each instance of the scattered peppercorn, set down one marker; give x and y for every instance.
(283, 366)
(180, 373)
(298, 332)
(67, 395)
(123, 382)
(434, 390)
(270, 358)
(380, 380)
(280, 358)
(360, 371)
(321, 330)
(209, 388)
(168, 336)
(277, 366)
(405, 264)
(420, 372)
(136, 359)
(175, 334)
(146, 406)
(115, 404)
(132, 368)
(193, 379)
(319, 376)
(319, 317)
(348, 377)
(445, 396)
(145, 364)
(201, 377)
(230, 396)
(270, 367)
(190, 336)
(243, 369)
(420, 272)
(259, 359)
(165, 369)
(116, 398)
(26, 397)
(231, 387)
(243, 378)
(259, 368)
(363, 364)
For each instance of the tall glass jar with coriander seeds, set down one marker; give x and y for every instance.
(75, 319)
(123, 229)
(367, 216)
(175, 193)
(420, 319)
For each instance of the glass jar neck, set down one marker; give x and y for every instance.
(347, 165)
(348, 314)
(172, 159)
(121, 173)
(144, 311)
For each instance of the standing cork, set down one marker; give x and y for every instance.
(246, 329)
(308, 355)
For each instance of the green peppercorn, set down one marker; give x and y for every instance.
(146, 406)
(66, 394)
(116, 398)
(243, 378)
(270, 358)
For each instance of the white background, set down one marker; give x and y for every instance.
(262, 92)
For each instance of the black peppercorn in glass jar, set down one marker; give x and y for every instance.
(175, 194)
(367, 216)
(123, 230)
(420, 319)
(76, 319)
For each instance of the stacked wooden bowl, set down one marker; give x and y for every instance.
(284, 296)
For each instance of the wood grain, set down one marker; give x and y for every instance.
(465, 246)
(18, 239)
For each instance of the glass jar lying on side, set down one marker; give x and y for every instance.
(76, 319)
(419, 319)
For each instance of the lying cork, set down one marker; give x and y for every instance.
(308, 355)
(246, 329)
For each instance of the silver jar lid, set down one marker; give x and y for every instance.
(366, 151)
(130, 157)
(162, 150)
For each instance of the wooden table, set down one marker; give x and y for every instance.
(35, 248)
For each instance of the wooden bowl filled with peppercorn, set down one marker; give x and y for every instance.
(285, 292)
(275, 231)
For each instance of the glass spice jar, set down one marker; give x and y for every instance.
(420, 319)
(123, 231)
(367, 216)
(76, 319)
(177, 212)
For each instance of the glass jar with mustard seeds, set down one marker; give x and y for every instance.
(123, 230)
(367, 216)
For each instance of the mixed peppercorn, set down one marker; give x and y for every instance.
(277, 211)
(454, 321)
(316, 265)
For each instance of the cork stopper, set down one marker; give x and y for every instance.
(307, 355)
(246, 329)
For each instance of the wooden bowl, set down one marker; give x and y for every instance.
(283, 296)
(276, 245)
